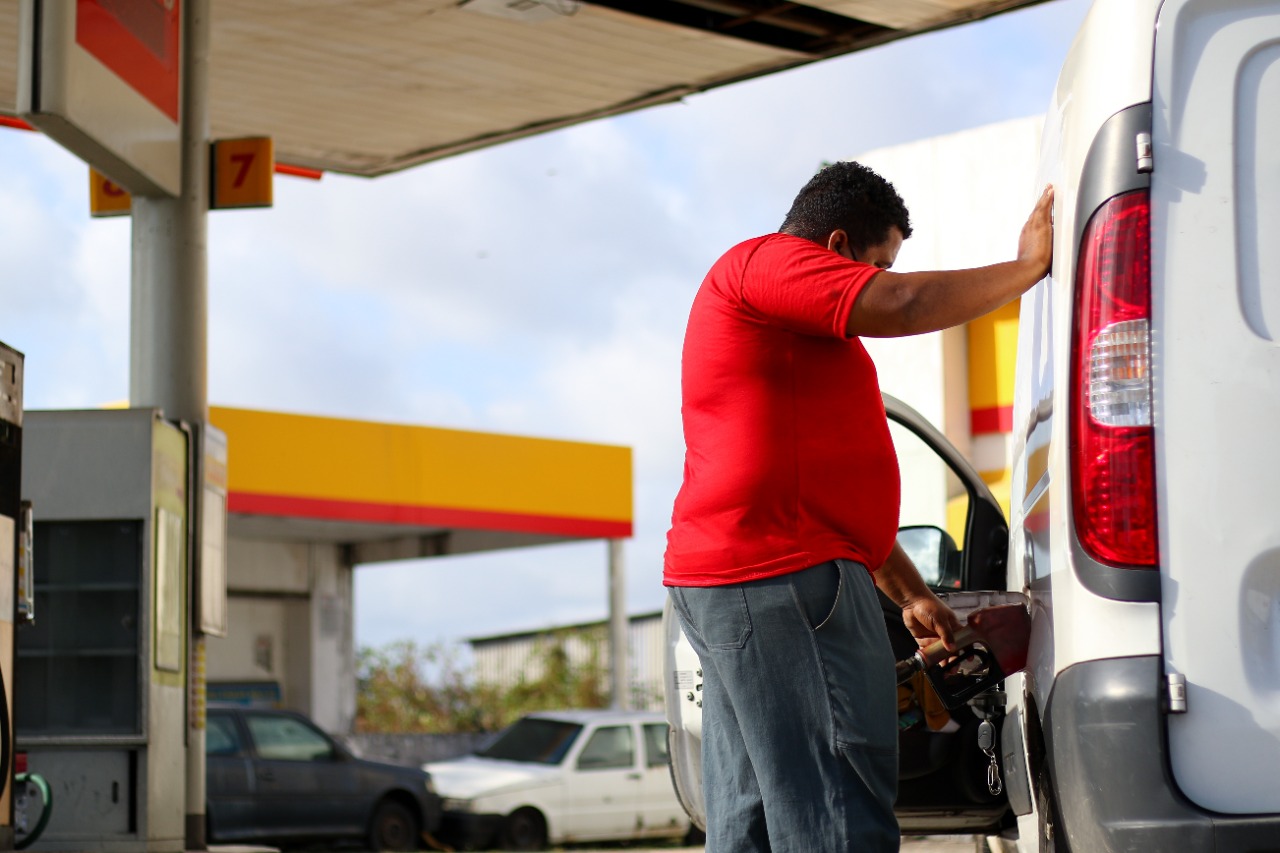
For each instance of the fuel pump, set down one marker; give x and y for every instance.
(13, 522)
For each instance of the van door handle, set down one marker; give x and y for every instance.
(635, 776)
(266, 776)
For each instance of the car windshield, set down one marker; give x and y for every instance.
(536, 740)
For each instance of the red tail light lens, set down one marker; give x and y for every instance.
(1112, 439)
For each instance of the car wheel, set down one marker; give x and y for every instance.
(524, 829)
(393, 827)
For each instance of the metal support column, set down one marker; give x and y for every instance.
(169, 327)
(169, 317)
(619, 665)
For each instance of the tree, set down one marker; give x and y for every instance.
(406, 688)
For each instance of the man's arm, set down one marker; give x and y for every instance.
(924, 614)
(900, 304)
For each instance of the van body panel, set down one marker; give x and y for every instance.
(1107, 68)
(1215, 223)
(1112, 789)
(1119, 703)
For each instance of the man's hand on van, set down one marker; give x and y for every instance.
(1035, 244)
(896, 304)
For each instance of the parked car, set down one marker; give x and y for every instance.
(1143, 536)
(274, 776)
(567, 776)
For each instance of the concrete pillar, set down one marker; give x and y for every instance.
(331, 639)
(168, 355)
(619, 665)
(169, 342)
(291, 604)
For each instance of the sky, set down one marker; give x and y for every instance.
(539, 287)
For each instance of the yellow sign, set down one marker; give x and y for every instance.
(242, 172)
(107, 198)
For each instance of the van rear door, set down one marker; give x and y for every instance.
(1216, 342)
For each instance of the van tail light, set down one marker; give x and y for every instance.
(1112, 439)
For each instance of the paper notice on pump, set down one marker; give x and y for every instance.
(7, 549)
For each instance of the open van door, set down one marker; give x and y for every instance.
(1215, 217)
(956, 532)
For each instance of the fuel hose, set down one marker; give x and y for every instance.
(47, 795)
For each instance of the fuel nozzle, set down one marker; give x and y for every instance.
(991, 645)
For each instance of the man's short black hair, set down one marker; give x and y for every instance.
(850, 196)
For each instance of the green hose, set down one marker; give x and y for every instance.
(37, 780)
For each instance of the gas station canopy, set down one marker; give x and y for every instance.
(397, 492)
(368, 87)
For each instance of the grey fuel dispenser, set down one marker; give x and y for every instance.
(13, 522)
(102, 708)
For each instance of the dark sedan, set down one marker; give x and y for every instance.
(273, 776)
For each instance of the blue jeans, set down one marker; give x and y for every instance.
(799, 719)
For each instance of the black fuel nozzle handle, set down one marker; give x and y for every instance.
(971, 672)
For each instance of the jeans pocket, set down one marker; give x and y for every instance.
(718, 614)
(817, 592)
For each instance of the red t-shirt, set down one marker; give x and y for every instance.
(788, 459)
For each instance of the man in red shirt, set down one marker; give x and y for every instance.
(787, 518)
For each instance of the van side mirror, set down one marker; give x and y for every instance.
(935, 554)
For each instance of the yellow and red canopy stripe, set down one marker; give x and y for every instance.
(302, 466)
(993, 351)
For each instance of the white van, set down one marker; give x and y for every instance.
(1145, 529)
(1146, 519)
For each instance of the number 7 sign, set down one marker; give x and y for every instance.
(242, 172)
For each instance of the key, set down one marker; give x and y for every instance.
(987, 743)
(994, 785)
(986, 737)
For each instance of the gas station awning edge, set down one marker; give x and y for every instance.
(418, 490)
(367, 89)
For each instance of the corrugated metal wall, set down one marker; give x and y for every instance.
(504, 660)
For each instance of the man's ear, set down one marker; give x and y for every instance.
(837, 241)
